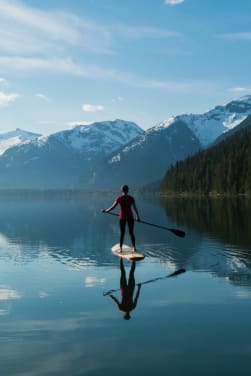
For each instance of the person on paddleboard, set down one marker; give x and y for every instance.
(128, 303)
(126, 203)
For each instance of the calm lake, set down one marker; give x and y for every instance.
(56, 270)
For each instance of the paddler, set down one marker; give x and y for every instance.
(126, 203)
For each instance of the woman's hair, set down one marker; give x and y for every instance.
(125, 188)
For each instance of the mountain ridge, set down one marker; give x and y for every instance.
(145, 158)
(210, 125)
(60, 159)
(104, 154)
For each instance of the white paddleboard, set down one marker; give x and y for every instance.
(127, 253)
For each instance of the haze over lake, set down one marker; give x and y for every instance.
(56, 270)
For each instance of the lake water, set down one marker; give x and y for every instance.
(56, 269)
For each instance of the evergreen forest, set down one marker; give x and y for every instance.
(224, 168)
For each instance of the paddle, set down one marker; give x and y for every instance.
(176, 232)
(177, 272)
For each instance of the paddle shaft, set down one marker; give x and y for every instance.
(174, 274)
(176, 232)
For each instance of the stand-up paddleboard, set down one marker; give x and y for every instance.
(127, 253)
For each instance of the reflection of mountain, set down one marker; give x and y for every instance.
(224, 220)
(66, 230)
(75, 233)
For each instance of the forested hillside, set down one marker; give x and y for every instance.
(223, 169)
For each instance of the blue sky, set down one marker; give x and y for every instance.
(68, 62)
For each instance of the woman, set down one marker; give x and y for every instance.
(126, 203)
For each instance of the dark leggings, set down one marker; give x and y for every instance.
(122, 224)
(131, 280)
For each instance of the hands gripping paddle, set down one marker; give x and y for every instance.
(176, 232)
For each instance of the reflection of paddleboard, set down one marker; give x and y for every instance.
(127, 253)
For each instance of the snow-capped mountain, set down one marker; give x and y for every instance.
(209, 126)
(111, 152)
(14, 138)
(99, 138)
(146, 158)
(63, 159)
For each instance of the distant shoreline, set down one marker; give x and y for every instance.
(202, 195)
(83, 193)
(53, 193)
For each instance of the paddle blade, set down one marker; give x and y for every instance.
(177, 272)
(108, 292)
(179, 233)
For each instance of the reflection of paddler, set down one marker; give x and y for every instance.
(127, 291)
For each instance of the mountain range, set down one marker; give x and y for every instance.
(63, 159)
(145, 159)
(106, 154)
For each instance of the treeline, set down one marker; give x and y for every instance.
(222, 169)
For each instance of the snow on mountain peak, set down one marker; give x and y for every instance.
(142, 138)
(103, 136)
(14, 138)
(164, 124)
(210, 125)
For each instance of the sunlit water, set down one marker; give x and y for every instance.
(56, 271)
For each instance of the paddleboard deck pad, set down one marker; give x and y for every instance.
(127, 253)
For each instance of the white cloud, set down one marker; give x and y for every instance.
(173, 2)
(240, 89)
(242, 294)
(54, 65)
(26, 29)
(43, 294)
(16, 11)
(72, 124)
(141, 32)
(6, 99)
(93, 281)
(42, 96)
(4, 312)
(6, 293)
(180, 86)
(30, 65)
(92, 107)
(68, 66)
(16, 41)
